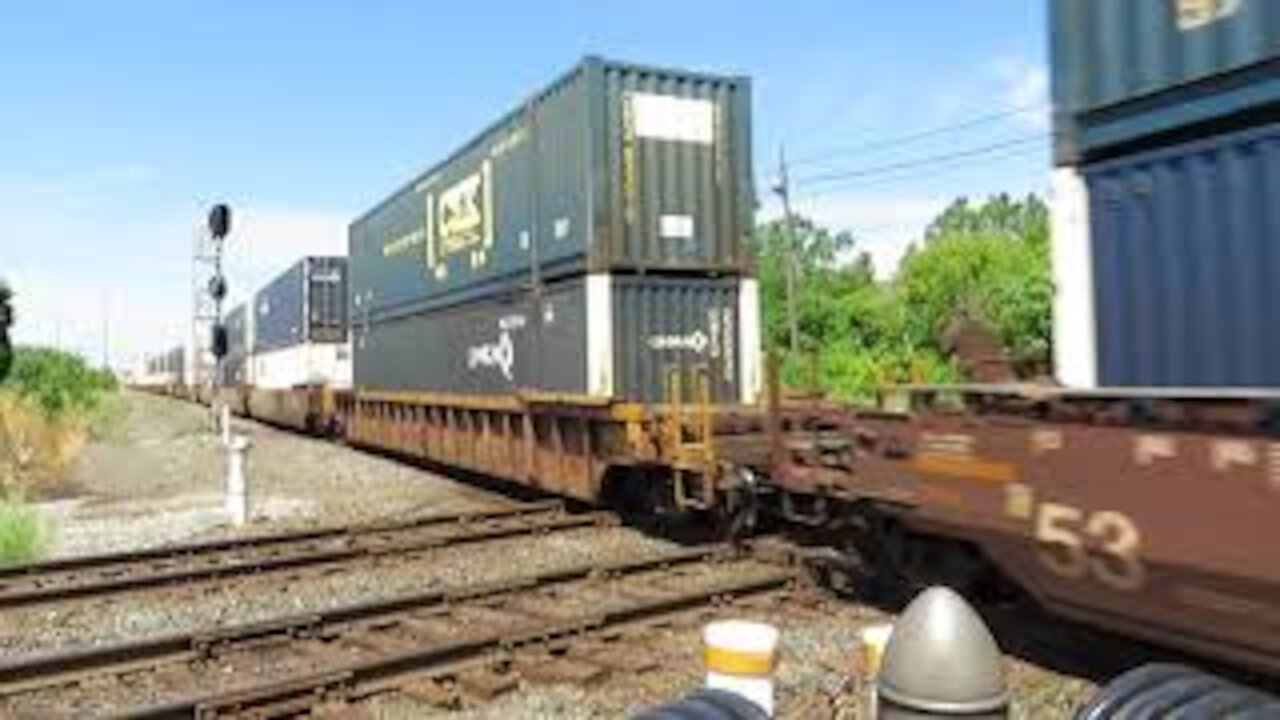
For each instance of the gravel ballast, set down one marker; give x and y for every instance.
(158, 477)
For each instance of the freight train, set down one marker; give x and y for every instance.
(567, 304)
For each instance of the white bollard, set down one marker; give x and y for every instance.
(740, 656)
(872, 640)
(237, 481)
(224, 419)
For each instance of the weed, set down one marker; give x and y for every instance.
(22, 535)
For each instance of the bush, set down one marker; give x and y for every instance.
(22, 535)
(58, 382)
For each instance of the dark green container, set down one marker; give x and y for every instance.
(613, 167)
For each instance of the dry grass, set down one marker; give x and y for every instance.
(35, 448)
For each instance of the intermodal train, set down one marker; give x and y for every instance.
(567, 303)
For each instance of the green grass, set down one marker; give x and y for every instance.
(22, 535)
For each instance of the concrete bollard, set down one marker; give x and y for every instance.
(941, 661)
(224, 422)
(740, 656)
(237, 480)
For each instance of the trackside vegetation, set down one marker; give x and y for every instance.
(859, 330)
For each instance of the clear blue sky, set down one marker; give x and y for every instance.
(122, 120)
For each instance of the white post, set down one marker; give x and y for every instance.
(224, 415)
(740, 656)
(237, 482)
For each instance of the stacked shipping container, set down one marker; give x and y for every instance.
(167, 368)
(235, 366)
(611, 211)
(298, 332)
(1167, 132)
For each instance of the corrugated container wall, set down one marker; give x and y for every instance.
(613, 167)
(306, 303)
(601, 335)
(238, 341)
(1186, 263)
(1127, 70)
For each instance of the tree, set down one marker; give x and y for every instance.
(817, 260)
(1000, 216)
(989, 262)
(6, 321)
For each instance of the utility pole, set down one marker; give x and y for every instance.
(782, 187)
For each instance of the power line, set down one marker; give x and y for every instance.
(959, 164)
(930, 160)
(898, 140)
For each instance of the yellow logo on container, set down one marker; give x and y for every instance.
(1195, 14)
(459, 219)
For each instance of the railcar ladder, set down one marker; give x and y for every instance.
(689, 435)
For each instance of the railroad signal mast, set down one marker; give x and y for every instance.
(219, 228)
(209, 290)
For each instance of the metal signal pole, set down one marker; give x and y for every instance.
(782, 187)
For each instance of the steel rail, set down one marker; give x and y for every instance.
(60, 580)
(50, 672)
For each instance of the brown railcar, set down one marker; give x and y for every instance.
(1151, 512)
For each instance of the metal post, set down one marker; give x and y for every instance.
(783, 190)
(940, 662)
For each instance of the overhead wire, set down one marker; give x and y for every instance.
(918, 172)
(876, 145)
(933, 160)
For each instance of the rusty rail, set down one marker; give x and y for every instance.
(636, 588)
(103, 574)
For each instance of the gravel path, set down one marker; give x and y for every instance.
(157, 478)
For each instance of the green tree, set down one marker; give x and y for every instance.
(6, 321)
(1000, 216)
(990, 261)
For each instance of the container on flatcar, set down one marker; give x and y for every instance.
(1126, 73)
(174, 364)
(612, 167)
(235, 366)
(1173, 263)
(611, 336)
(299, 327)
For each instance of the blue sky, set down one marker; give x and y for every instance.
(122, 121)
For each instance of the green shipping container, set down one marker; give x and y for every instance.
(613, 167)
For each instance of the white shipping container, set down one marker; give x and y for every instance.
(305, 364)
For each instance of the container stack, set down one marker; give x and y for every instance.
(594, 241)
(235, 366)
(1167, 142)
(166, 368)
(298, 334)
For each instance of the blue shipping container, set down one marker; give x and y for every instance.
(306, 303)
(1125, 70)
(1186, 263)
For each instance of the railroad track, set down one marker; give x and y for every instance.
(88, 576)
(284, 667)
